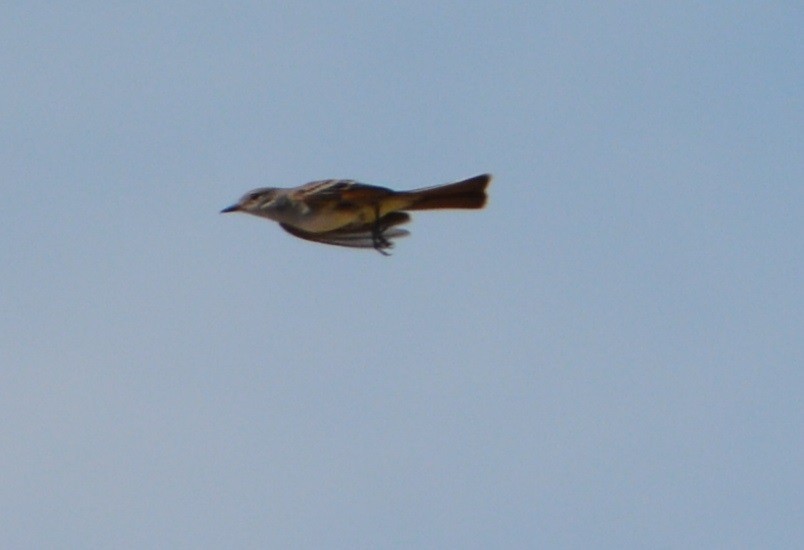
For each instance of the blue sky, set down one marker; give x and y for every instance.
(608, 355)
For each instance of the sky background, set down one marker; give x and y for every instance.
(609, 355)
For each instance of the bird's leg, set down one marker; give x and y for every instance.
(379, 241)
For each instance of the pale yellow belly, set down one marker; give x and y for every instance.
(330, 219)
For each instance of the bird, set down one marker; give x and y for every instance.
(347, 213)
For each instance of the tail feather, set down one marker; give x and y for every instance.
(469, 193)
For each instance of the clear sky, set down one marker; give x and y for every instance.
(609, 355)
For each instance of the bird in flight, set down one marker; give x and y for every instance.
(352, 214)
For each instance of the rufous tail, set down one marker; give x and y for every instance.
(470, 193)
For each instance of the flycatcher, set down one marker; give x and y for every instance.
(348, 213)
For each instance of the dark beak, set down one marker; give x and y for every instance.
(233, 208)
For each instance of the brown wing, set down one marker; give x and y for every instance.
(346, 191)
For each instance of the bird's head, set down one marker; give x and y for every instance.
(259, 202)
